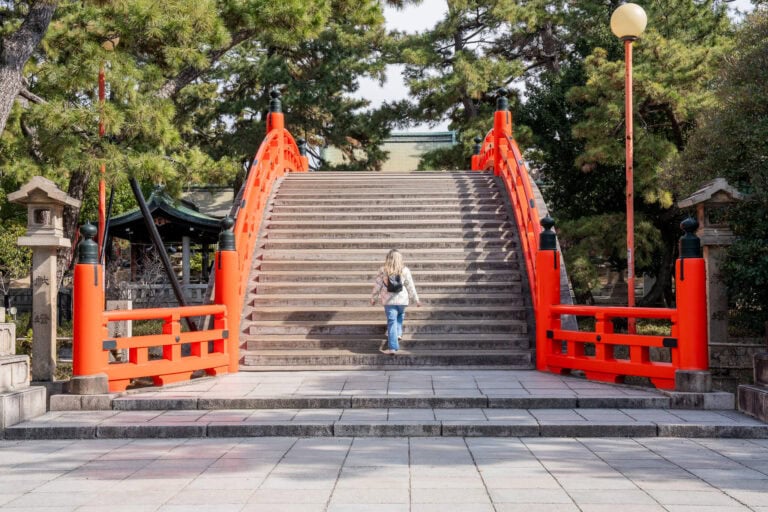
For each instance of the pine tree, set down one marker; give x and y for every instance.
(731, 141)
(576, 115)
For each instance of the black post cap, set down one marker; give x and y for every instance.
(275, 105)
(690, 244)
(88, 250)
(478, 145)
(502, 103)
(227, 236)
(547, 238)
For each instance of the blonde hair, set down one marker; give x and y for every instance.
(393, 264)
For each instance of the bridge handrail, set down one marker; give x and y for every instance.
(561, 351)
(498, 152)
(214, 350)
(277, 155)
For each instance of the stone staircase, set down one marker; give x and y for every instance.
(322, 241)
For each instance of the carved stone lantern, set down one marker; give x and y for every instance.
(45, 235)
(710, 203)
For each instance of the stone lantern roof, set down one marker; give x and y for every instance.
(710, 202)
(715, 191)
(41, 190)
(45, 212)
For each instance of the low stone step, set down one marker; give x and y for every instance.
(419, 276)
(381, 399)
(375, 359)
(502, 342)
(342, 288)
(377, 256)
(394, 232)
(367, 265)
(389, 243)
(325, 314)
(368, 328)
(430, 422)
(432, 299)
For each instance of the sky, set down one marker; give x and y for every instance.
(419, 18)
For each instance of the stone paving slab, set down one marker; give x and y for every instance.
(389, 422)
(413, 474)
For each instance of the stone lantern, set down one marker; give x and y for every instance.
(45, 235)
(710, 202)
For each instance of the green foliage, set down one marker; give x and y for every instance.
(454, 70)
(187, 90)
(732, 142)
(15, 261)
(601, 238)
(576, 115)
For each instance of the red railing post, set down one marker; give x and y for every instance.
(691, 290)
(476, 154)
(89, 330)
(275, 118)
(547, 292)
(502, 128)
(227, 291)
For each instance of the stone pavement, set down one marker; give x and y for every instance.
(384, 404)
(290, 474)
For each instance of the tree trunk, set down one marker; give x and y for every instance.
(78, 185)
(15, 50)
(661, 291)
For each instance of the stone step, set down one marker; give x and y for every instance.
(383, 399)
(373, 358)
(369, 209)
(367, 182)
(257, 327)
(396, 202)
(383, 422)
(377, 256)
(415, 265)
(371, 313)
(344, 288)
(419, 276)
(433, 299)
(393, 232)
(358, 216)
(389, 199)
(427, 342)
(389, 243)
(353, 224)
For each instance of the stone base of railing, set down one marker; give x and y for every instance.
(753, 399)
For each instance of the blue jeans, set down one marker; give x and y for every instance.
(395, 317)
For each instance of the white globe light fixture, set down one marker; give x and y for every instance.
(627, 23)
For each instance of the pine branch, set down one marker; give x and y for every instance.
(188, 75)
(30, 96)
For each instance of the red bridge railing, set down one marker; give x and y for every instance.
(499, 153)
(178, 354)
(595, 351)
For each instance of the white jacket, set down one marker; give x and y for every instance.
(394, 299)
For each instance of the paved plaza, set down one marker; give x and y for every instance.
(289, 474)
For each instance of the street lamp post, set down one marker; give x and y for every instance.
(108, 45)
(627, 23)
